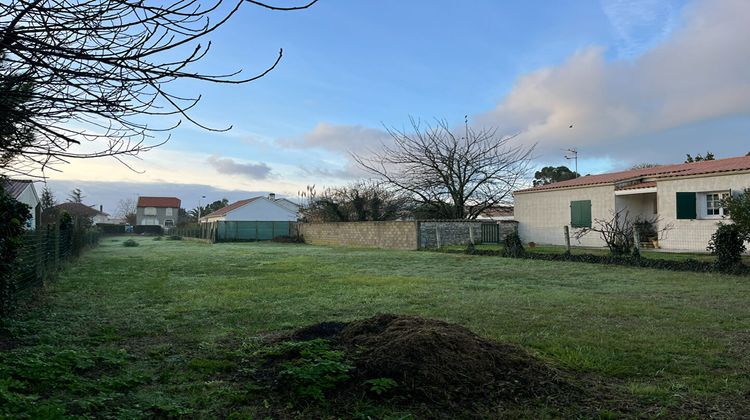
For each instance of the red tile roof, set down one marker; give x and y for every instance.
(78, 209)
(158, 202)
(665, 171)
(237, 204)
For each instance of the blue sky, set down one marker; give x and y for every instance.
(642, 80)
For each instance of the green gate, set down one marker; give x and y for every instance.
(490, 233)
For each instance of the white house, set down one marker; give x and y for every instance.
(257, 209)
(687, 197)
(23, 191)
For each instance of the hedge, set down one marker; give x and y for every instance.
(630, 261)
(152, 229)
(110, 228)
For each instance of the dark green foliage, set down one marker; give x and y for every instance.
(15, 132)
(357, 202)
(380, 386)
(699, 158)
(728, 244)
(738, 208)
(551, 174)
(13, 218)
(110, 228)
(148, 229)
(513, 246)
(309, 368)
(130, 243)
(174, 238)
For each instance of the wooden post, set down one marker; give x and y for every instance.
(437, 235)
(567, 239)
(637, 240)
(471, 233)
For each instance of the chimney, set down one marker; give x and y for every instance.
(101, 208)
(272, 197)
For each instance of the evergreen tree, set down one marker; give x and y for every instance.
(48, 199)
(76, 196)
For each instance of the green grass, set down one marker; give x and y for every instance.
(155, 330)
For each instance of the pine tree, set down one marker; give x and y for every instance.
(48, 199)
(76, 196)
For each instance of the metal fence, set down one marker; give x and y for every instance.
(40, 257)
(235, 231)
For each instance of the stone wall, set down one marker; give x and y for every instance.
(457, 232)
(388, 235)
(397, 234)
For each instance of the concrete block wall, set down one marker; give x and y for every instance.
(387, 235)
(450, 233)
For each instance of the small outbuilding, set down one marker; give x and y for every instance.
(23, 190)
(256, 209)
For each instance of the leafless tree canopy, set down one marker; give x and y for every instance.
(96, 68)
(454, 175)
(356, 202)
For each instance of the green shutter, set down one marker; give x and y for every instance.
(580, 213)
(686, 205)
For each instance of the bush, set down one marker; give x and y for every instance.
(728, 244)
(111, 228)
(148, 229)
(13, 218)
(130, 243)
(175, 238)
(513, 246)
(157, 238)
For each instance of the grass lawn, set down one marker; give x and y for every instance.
(158, 330)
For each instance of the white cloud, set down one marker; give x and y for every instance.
(231, 167)
(698, 74)
(339, 138)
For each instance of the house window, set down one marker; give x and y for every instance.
(169, 211)
(169, 222)
(149, 211)
(712, 205)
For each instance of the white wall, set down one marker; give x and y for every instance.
(692, 234)
(261, 210)
(30, 198)
(542, 215)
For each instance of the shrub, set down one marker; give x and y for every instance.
(728, 244)
(149, 229)
(738, 208)
(157, 238)
(513, 246)
(175, 238)
(13, 217)
(130, 243)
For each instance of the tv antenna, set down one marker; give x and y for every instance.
(572, 154)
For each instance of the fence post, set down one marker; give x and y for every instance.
(637, 240)
(471, 233)
(437, 234)
(567, 238)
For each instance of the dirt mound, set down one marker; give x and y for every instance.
(446, 363)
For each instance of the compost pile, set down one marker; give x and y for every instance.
(437, 362)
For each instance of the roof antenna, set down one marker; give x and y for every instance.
(573, 154)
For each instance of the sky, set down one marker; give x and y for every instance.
(639, 80)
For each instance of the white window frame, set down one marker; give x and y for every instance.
(169, 223)
(169, 211)
(710, 204)
(149, 211)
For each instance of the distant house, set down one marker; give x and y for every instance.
(157, 211)
(24, 191)
(496, 214)
(686, 197)
(78, 210)
(257, 209)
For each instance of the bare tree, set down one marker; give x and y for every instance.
(126, 209)
(456, 176)
(89, 73)
(618, 231)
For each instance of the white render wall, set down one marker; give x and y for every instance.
(261, 210)
(541, 216)
(692, 235)
(29, 197)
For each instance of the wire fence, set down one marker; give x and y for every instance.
(236, 231)
(42, 254)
